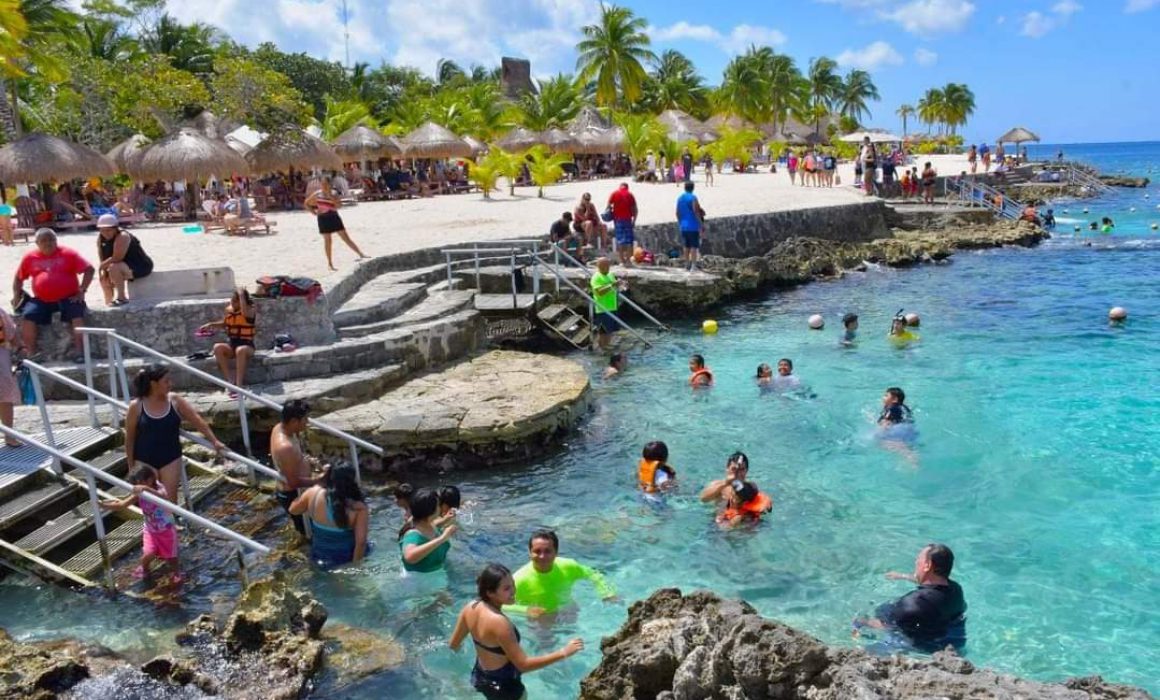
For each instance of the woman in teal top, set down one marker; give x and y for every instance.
(338, 518)
(425, 546)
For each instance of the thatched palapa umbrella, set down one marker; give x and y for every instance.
(434, 141)
(289, 148)
(560, 141)
(360, 142)
(519, 139)
(131, 148)
(1017, 136)
(186, 154)
(478, 147)
(41, 157)
(589, 118)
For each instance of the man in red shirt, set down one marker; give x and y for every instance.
(624, 212)
(53, 270)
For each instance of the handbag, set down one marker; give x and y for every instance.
(607, 215)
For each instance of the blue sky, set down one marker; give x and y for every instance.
(1072, 70)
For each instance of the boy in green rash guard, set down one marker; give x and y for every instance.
(544, 585)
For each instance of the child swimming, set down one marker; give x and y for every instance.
(746, 503)
(653, 472)
(899, 334)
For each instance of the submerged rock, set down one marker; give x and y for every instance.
(701, 647)
(353, 653)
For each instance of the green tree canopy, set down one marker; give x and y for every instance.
(313, 78)
(248, 92)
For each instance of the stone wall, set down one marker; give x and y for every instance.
(755, 234)
(168, 326)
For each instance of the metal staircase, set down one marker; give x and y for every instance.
(1078, 175)
(563, 322)
(973, 192)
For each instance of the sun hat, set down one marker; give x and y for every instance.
(107, 221)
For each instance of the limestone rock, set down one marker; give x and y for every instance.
(271, 606)
(354, 653)
(701, 647)
(38, 670)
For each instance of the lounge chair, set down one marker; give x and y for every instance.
(26, 212)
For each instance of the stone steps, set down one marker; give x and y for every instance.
(387, 295)
(435, 305)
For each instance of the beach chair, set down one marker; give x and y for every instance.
(26, 212)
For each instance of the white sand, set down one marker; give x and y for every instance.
(384, 228)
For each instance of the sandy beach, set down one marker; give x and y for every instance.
(385, 228)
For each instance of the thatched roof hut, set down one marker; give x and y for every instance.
(560, 141)
(434, 141)
(478, 147)
(186, 154)
(362, 142)
(589, 118)
(41, 157)
(519, 139)
(129, 149)
(289, 148)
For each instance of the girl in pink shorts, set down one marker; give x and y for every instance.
(159, 533)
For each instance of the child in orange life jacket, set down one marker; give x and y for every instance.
(746, 503)
(653, 473)
(701, 376)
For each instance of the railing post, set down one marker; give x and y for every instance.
(515, 295)
(86, 343)
(448, 254)
(556, 266)
(354, 461)
(43, 408)
(99, 524)
(244, 424)
(111, 361)
(475, 257)
(535, 271)
(592, 324)
(185, 487)
(119, 361)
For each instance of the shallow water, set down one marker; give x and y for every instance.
(1036, 461)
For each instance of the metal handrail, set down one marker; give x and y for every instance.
(1011, 209)
(591, 301)
(352, 441)
(1075, 174)
(92, 473)
(588, 275)
(37, 370)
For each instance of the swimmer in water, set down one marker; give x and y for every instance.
(931, 616)
(744, 503)
(898, 330)
(894, 409)
(701, 377)
(654, 473)
(850, 330)
(616, 365)
(764, 375)
(785, 379)
(1049, 219)
(896, 425)
(544, 584)
(737, 467)
(449, 502)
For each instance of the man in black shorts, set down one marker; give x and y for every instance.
(931, 616)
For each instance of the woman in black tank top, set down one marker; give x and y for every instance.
(153, 426)
(122, 259)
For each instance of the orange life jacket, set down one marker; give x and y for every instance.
(756, 507)
(238, 326)
(704, 371)
(646, 473)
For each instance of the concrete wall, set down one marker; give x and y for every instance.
(755, 234)
(168, 326)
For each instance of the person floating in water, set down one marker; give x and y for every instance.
(736, 468)
(785, 379)
(500, 661)
(899, 334)
(1049, 219)
(931, 616)
(654, 473)
(745, 504)
(701, 377)
(544, 585)
(764, 376)
(894, 409)
(849, 330)
(1107, 225)
(616, 365)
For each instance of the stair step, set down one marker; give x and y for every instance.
(436, 305)
(61, 529)
(569, 324)
(121, 540)
(548, 313)
(379, 299)
(33, 500)
(581, 338)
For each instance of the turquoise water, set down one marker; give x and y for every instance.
(1037, 462)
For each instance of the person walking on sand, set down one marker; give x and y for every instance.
(985, 154)
(973, 158)
(869, 158)
(324, 204)
(691, 220)
(624, 212)
(500, 661)
(153, 427)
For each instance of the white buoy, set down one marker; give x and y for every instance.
(1077, 229)
(1085, 210)
(1154, 227)
(817, 323)
(1131, 208)
(912, 319)
(1147, 196)
(1065, 211)
(1118, 313)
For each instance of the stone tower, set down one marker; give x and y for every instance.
(516, 77)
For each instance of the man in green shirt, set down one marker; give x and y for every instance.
(605, 290)
(544, 585)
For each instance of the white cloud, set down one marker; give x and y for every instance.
(925, 57)
(1066, 8)
(1036, 25)
(926, 17)
(1140, 5)
(1000, 19)
(872, 57)
(738, 39)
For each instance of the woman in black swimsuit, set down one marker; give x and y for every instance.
(500, 661)
(153, 427)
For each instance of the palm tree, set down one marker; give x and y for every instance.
(189, 46)
(342, 115)
(641, 132)
(555, 104)
(745, 90)
(932, 107)
(545, 167)
(448, 71)
(788, 89)
(44, 25)
(613, 53)
(103, 40)
(675, 84)
(857, 88)
(485, 173)
(958, 104)
(825, 85)
(905, 112)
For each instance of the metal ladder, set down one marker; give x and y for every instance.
(1077, 175)
(972, 192)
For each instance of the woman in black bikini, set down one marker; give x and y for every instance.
(500, 661)
(324, 204)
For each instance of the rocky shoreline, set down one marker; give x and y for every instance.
(271, 646)
(702, 647)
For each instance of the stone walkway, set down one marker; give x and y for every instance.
(496, 407)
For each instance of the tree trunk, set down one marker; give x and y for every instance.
(9, 124)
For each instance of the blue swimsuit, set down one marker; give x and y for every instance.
(331, 546)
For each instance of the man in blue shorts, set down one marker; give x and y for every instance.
(624, 211)
(691, 218)
(605, 289)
